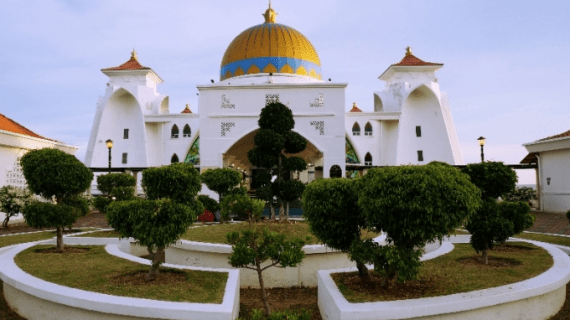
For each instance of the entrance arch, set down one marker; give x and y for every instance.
(236, 157)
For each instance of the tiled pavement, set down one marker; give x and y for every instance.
(548, 222)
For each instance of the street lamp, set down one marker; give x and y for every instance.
(482, 143)
(109, 146)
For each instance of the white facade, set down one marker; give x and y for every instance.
(411, 122)
(553, 181)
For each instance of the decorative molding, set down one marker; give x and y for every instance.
(271, 98)
(320, 126)
(226, 103)
(226, 127)
(319, 102)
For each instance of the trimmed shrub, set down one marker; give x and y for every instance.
(119, 185)
(493, 178)
(179, 182)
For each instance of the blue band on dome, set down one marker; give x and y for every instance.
(261, 63)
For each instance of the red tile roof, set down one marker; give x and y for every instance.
(8, 124)
(561, 135)
(355, 108)
(132, 64)
(187, 109)
(411, 60)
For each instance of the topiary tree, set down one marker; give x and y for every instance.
(114, 187)
(54, 173)
(495, 222)
(244, 207)
(494, 179)
(156, 224)
(413, 205)
(169, 210)
(221, 180)
(487, 226)
(179, 182)
(330, 207)
(274, 140)
(252, 248)
(13, 200)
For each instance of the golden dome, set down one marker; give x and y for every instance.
(270, 48)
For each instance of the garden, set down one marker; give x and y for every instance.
(365, 244)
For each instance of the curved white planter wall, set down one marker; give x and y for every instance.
(532, 299)
(34, 298)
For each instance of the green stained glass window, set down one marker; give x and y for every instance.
(351, 156)
(193, 156)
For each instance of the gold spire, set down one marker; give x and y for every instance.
(270, 14)
(134, 55)
(408, 51)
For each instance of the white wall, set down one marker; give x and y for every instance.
(555, 166)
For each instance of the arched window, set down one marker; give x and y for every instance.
(186, 132)
(368, 159)
(336, 171)
(174, 159)
(368, 129)
(174, 132)
(356, 129)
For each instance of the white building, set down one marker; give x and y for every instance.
(411, 122)
(552, 154)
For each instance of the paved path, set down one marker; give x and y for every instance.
(548, 222)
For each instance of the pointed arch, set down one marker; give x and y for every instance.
(174, 158)
(193, 155)
(174, 132)
(186, 132)
(368, 129)
(368, 159)
(378, 105)
(351, 154)
(356, 129)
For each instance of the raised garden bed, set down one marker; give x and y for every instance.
(536, 298)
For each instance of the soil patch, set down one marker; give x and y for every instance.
(376, 287)
(138, 278)
(280, 299)
(66, 249)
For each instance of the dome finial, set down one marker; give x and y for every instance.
(134, 55)
(270, 14)
(408, 51)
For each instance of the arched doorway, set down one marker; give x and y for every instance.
(336, 171)
(236, 158)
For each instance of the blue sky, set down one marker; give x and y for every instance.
(506, 66)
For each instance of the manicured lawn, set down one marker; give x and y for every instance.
(95, 270)
(217, 233)
(101, 234)
(455, 272)
(9, 240)
(565, 241)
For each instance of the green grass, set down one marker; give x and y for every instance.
(447, 275)
(217, 233)
(565, 241)
(21, 238)
(101, 234)
(97, 271)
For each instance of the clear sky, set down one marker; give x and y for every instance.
(506, 63)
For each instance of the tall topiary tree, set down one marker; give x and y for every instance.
(495, 222)
(223, 181)
(273, 142)
(52, 173)
(330, 206)
(160, 220)
(413, 205)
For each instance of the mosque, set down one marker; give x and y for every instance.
(411, 122)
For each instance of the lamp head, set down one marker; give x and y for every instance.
(481, 141)
(109, 143)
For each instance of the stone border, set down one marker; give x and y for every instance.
(38, 299)
(536, 298)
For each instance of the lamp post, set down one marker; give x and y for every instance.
(482, 143)
(109, 146)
